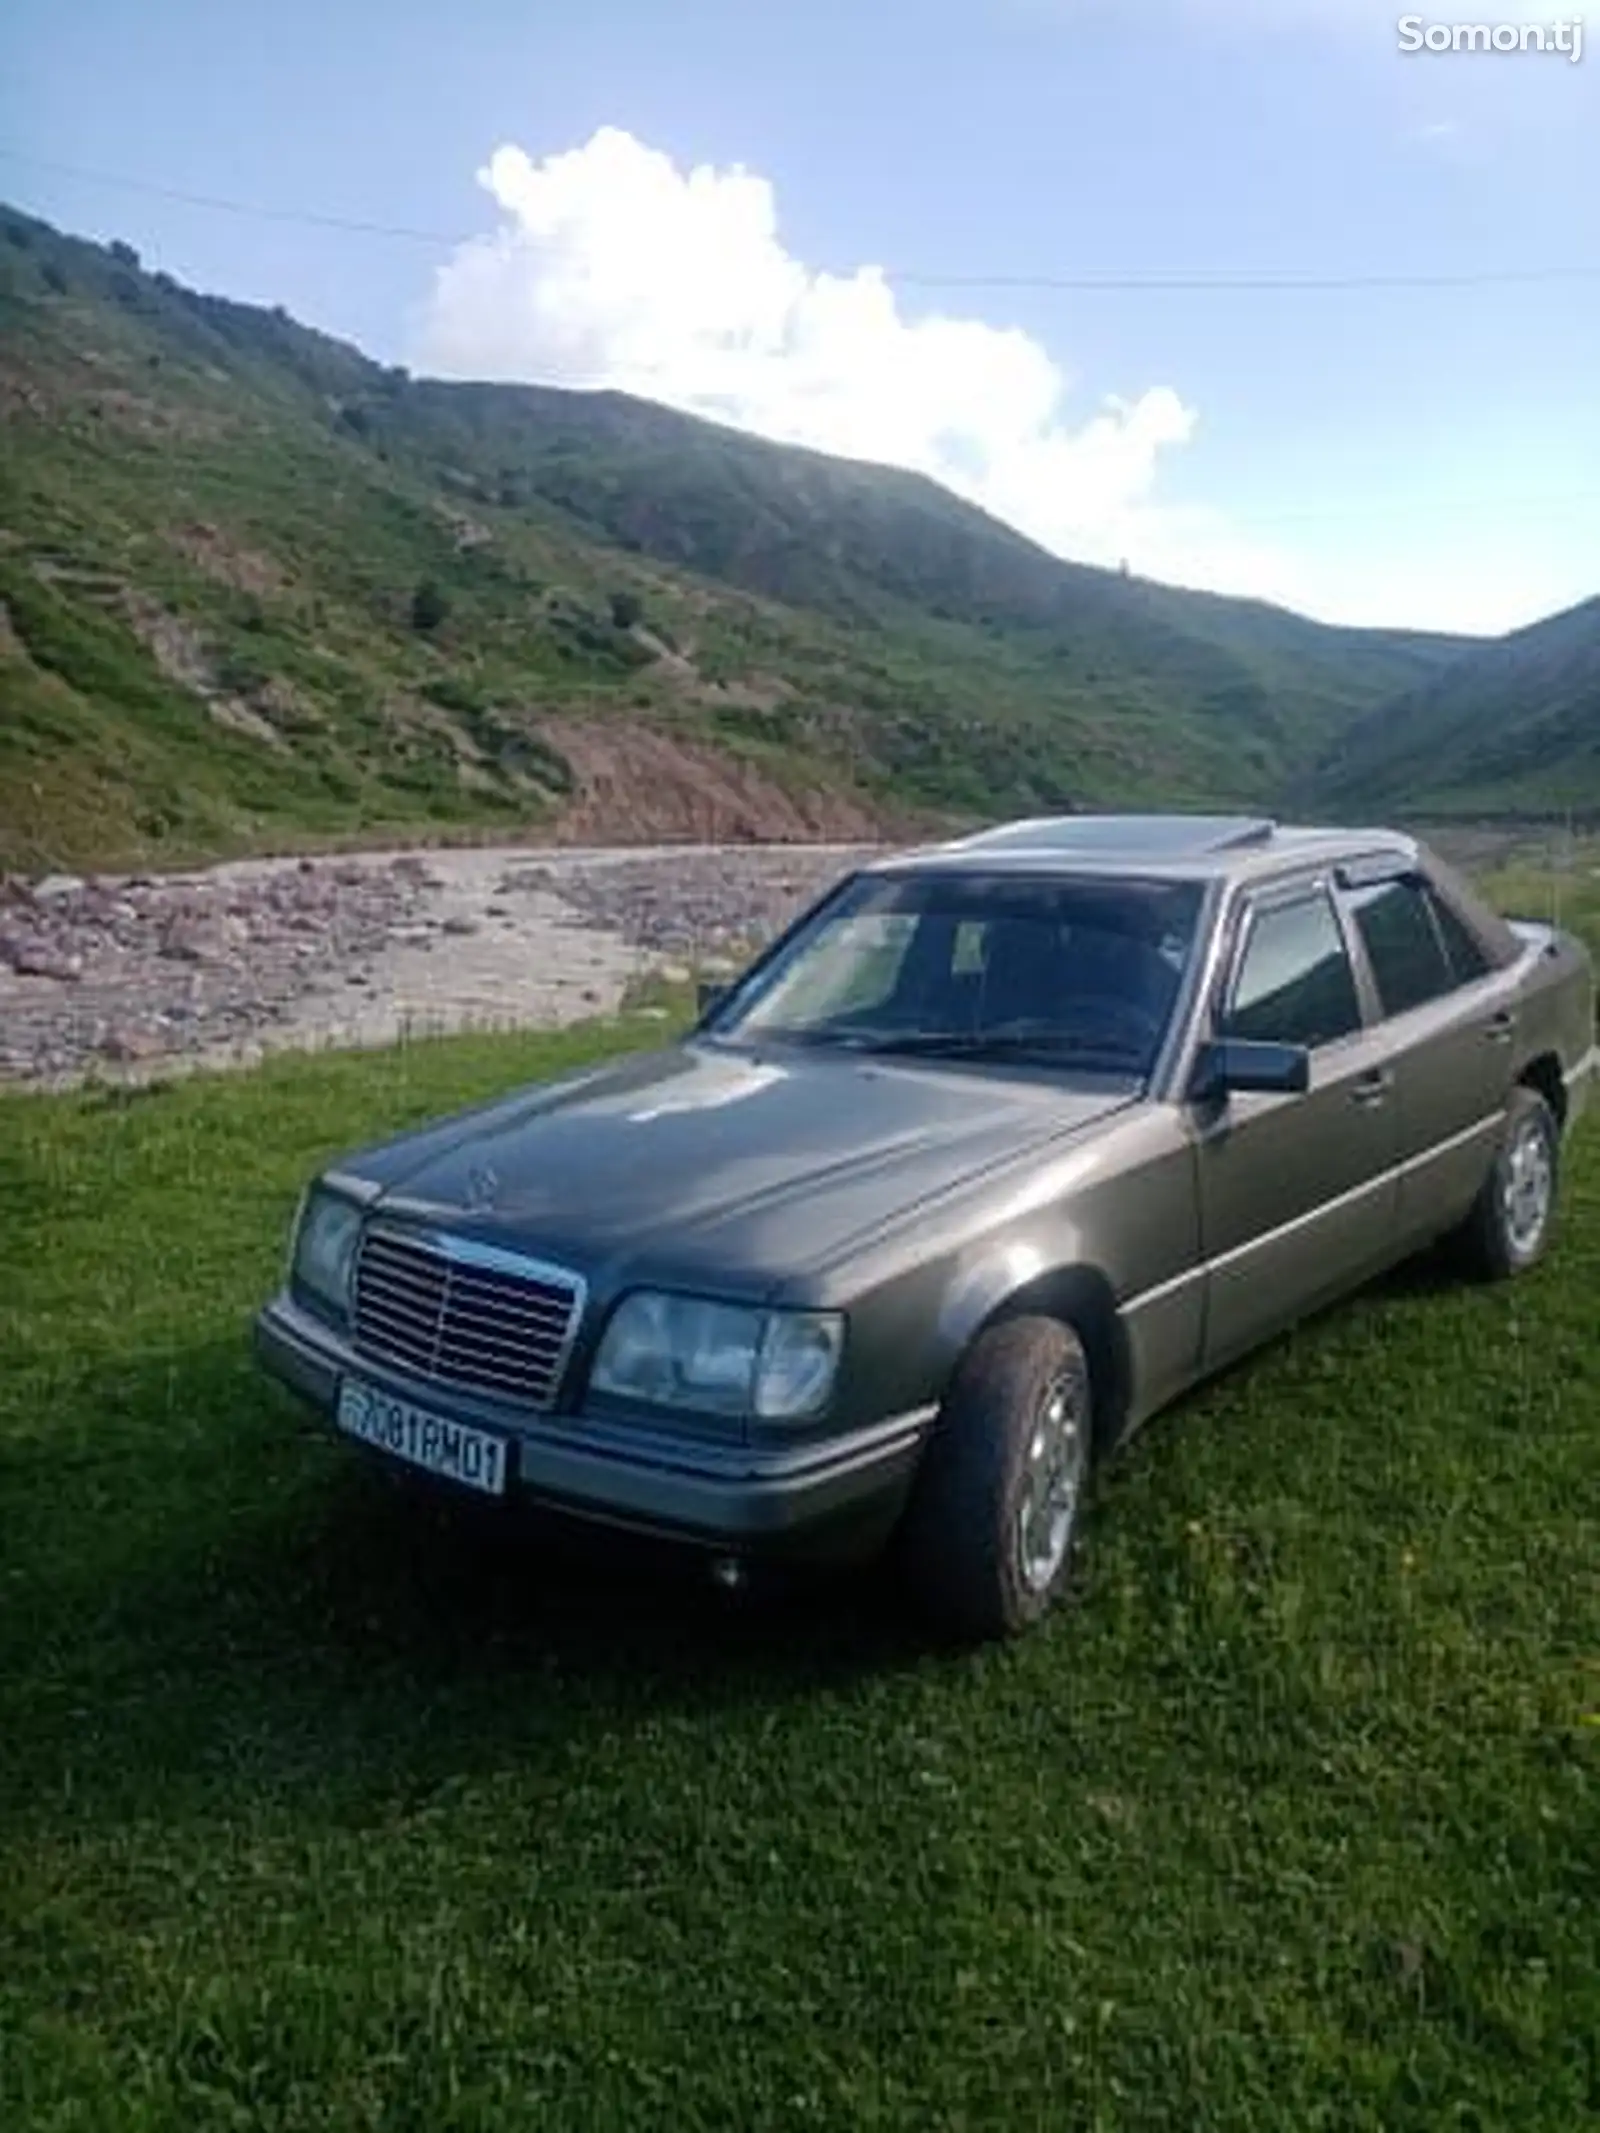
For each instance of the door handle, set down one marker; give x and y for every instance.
(1501, 1028)
(1372, 1088)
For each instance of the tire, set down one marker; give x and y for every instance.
(986, 1544)
(1508, 1229)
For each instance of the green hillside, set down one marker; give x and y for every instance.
(1511, 727)
(255, 590)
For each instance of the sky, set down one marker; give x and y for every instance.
(839, 225)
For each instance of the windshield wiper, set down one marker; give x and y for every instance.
(999, 1044)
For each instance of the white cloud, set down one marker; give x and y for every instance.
(613, 267)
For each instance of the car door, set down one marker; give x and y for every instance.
(1296, 1192)
(1452, 1027)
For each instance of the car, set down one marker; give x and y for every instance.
(1000, 1148)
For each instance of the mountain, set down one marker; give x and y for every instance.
(257, 590)
(1509, 727)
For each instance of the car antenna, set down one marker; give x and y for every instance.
(1560, 870)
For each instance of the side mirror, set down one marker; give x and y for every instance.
(1239, 1064)
(709, 994)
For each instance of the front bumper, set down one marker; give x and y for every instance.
(830, 1501)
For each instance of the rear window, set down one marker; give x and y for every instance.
(1468, 959)
(1405, 944)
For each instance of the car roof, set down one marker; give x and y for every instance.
(1184, 847)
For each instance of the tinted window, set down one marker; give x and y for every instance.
(1467, 957)
(1295, 985)
(1403, 945)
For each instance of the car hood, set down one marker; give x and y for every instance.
(700, 1156)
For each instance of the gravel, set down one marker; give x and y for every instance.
(130, 975)
(699, 901)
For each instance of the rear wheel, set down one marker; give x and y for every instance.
(987, 1540)
(1510, 1222)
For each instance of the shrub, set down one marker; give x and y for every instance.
(451, 693)
(239, 673)
(429, 606)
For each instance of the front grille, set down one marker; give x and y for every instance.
(462, 1313)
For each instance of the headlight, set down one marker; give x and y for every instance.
(723, 1359)
(325, 1248)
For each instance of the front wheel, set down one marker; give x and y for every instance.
(1510, 1222)
(988, 1535)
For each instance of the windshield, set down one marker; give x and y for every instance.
(1081, 972)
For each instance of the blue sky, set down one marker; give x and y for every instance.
(1427, 456)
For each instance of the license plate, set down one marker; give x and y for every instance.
(470, 1457)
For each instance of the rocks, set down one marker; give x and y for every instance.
(131, 970)
(123, 1046)
(180, 965)
(37, 959)
(697, 903)
(187, 942)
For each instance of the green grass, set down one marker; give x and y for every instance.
(1553, 880)
(311, 1815)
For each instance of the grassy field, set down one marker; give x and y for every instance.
(1552, 878)
(311, 1815)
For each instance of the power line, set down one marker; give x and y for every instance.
(1246, 524)
(1190, 284)
(1277, 283)
(218, 205)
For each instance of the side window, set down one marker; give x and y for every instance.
(1294, 984)
(1404, 946)
(969, 953)
(1461, 945)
